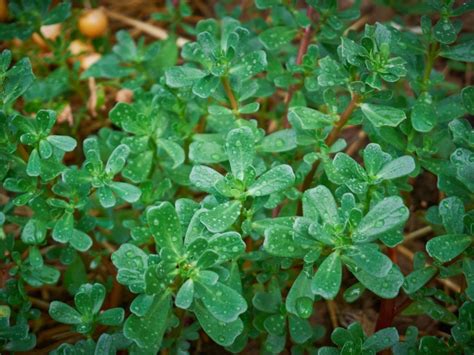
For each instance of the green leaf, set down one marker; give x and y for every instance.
(65, 143)
(299, 300)
(80, 240)
(300, 329)
(277, 36)
(222, 216)
(444, 31)
(222, 333)
(117, 159)
(451, 210)
(383, 339)
(223, 302)
(332, 73)
(381, 116)
(89, 298)
(279, 141)
(446, 247)
(125, 191)
(386, 287)
(131, 263)
(16, 81)
(147, 331)
(423, 114)
(227, 245)
(370, 259)
(205, 152)
(387, 215)
(274, 180)
(106, 196)
(63, 313)
(324, 203)
(165, 227)
(279, 242)
(112, 317)
(275, 324)
(396, 168)
(327, 280)
(418, 278)
(63, 228)
(206, 86)
(205, 178)
(467, 95)
(34, 164)
(462, 52)
(252, 63)
(185, 295)
(178, 77)
(240, 150)
(308, 118)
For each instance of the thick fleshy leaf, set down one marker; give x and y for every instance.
(147, 331)
(184, 297)
(279, 141)
(325, 204)
(300, 329)
(383, 339)
(64, 143)
(418, 278)
(389, 214)
(113, 317)
(277, 36)
(165, 227)
(178, 77)
(131, 263)
(63, 228)
(117, 159)
(387, 286)
(80, 240)
(396, 168)
(467, 95)
(451, 210)
(33, 167)
(125, 191)
(222, 216)
(274, 180)
(279, 241)
(173, 151)
(89, 298)
(446, 247)
(227, 245)
(240, 150)
(106, 196)
(308, 118)
(299, 300)
(64, 313)
(223, 302)
(381, 116)
(370, 259)
(327, 280)
(205, 178)
(252, 63)
(222, 333)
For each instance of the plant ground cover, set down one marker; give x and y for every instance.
(268, 176)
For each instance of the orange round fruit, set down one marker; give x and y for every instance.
(3, 10)
(93, 23)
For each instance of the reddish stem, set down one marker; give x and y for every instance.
(303, 48)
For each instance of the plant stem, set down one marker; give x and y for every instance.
(230, 93)
(331, 138)
(23, 153)
(303, 48)
(430, 59)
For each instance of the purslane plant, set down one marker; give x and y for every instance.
(229, 197)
